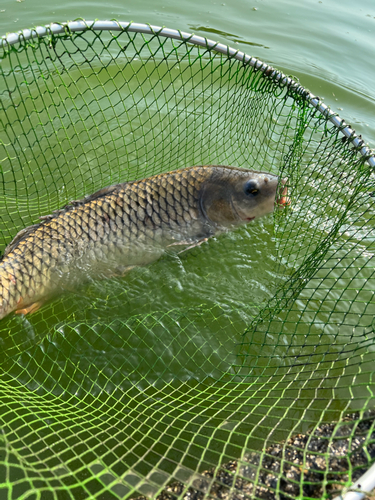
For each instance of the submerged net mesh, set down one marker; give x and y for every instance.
(229, 372)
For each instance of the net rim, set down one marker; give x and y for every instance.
(83, 25)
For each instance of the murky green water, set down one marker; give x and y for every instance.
(164, 346)
(327, 43)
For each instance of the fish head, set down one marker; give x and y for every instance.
(234, 196)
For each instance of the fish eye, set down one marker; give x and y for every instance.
(251, 188)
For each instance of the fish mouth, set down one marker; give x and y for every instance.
(284, 200)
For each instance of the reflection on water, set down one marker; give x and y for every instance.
(233, 38)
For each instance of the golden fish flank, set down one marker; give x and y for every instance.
(128, 224)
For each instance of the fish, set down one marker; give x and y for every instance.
(130, 224)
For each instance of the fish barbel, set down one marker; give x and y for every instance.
(128, 225)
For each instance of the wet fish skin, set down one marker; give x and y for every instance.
(125, 225)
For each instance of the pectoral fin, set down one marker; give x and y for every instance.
(178, 243)
(193, 245)
(120, 272)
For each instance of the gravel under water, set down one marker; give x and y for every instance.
(316, 465)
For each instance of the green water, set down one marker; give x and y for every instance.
(328, 44)
(162, 360)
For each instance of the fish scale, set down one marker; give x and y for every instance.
(124, 225)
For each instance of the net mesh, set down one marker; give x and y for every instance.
(194, 377)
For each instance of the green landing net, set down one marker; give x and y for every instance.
(256, 382)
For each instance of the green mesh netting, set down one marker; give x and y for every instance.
(240, 369)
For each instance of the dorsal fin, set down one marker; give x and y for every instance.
(98, 194)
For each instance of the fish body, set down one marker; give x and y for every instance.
(127, 225)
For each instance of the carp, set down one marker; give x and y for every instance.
(129, 224)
